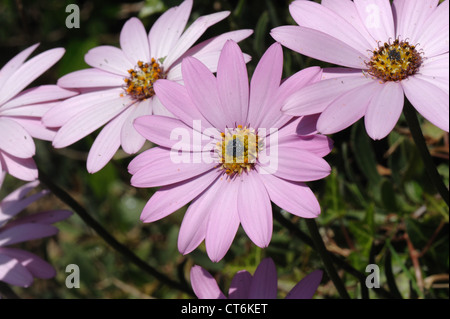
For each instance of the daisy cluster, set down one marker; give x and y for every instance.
(225, 145)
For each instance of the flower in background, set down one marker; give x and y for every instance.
(390, 52)
(19, 267)
(238, 151)
(262, 285)
(21, 112)
(119, 86)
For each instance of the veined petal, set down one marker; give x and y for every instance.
(109, 59)
(12, 65)
(377, 18)
(15, 140)
(21, 168)
(36, 266)
(130, 139)
(265, 281)
(91, 78)
(204, 285)
(13, 272)
(25, 232)
(134, 41)
(240, 285)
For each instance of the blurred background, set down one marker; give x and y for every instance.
(378, 205)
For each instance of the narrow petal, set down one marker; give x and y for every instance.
(320, 145)
(204, 285)
(264, 283)
(384, 110)
(166, 31)
(429, 100)
(240, 285)
(232, 82)
(319, 17)
(106, 143)
(255, 211)
(12, 204)
(91, 119)
(307, 125)
(306, 288)
(13, 272)
(158, 109)
(435, 70)
(35, 127)
(91, 78)
(377, 18)
(347, 108)
(192, 34)
(294, 197)
(12, 65)
(134, 41)
(130, 139)
(21, 168)
(201, 86)
(264, 84)
(37, 267)
(170, 198)
(25, 232)
(109, 59)
(28, 72)
(15, 140)
(223, 221)
(46, 217)
(319, 45)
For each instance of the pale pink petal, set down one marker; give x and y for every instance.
(175, 98)
(377, 18)
(142, 159)
(192, 34)
(162, 170)
(347, 10)
(43, 93)
(166, 31)
(109, 59)
(28, 72)
(264, 85)
(433, 38)
(170, 198)
(223, 220)
(131, 140)
(158, 109)
(347, 108)
(37, 267)
(240, 285)
(410, 16)
(307, 125)
(15, 140)
(201, 86)
(306, 288)
(204, 285)
(25, 232)
(384, 110)
(12, 65)
(435, 70)
(89, 120)
(319, 45)
(106, 143)
(320, 145)
(318, 17)
(134, 41)
(91, 78)
(265, 281)
(429, 100)
(13, 272)
(255, 210)
(21, 168)
(294, 197)
(316, 97)
(61, 113)
(293, 164)
(232, 82)
(35, 127)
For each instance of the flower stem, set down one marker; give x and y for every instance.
(107, 237)
(326, 259)
(419, 140)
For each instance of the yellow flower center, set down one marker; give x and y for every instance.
(238, 150)
(139, 85)
(394, 62)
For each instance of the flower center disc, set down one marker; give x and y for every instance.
(394, 62)
(238, 150)
(139, 85)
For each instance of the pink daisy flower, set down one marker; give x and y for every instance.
(392, 52)
(237, 151)
(262, 285)
(120, 83)
(19, 267)
(21, 112)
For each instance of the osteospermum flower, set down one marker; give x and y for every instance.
(262, 285)
(231, 151)
(21, 112)
(19, 267)
(392, 52)
(120, 83)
